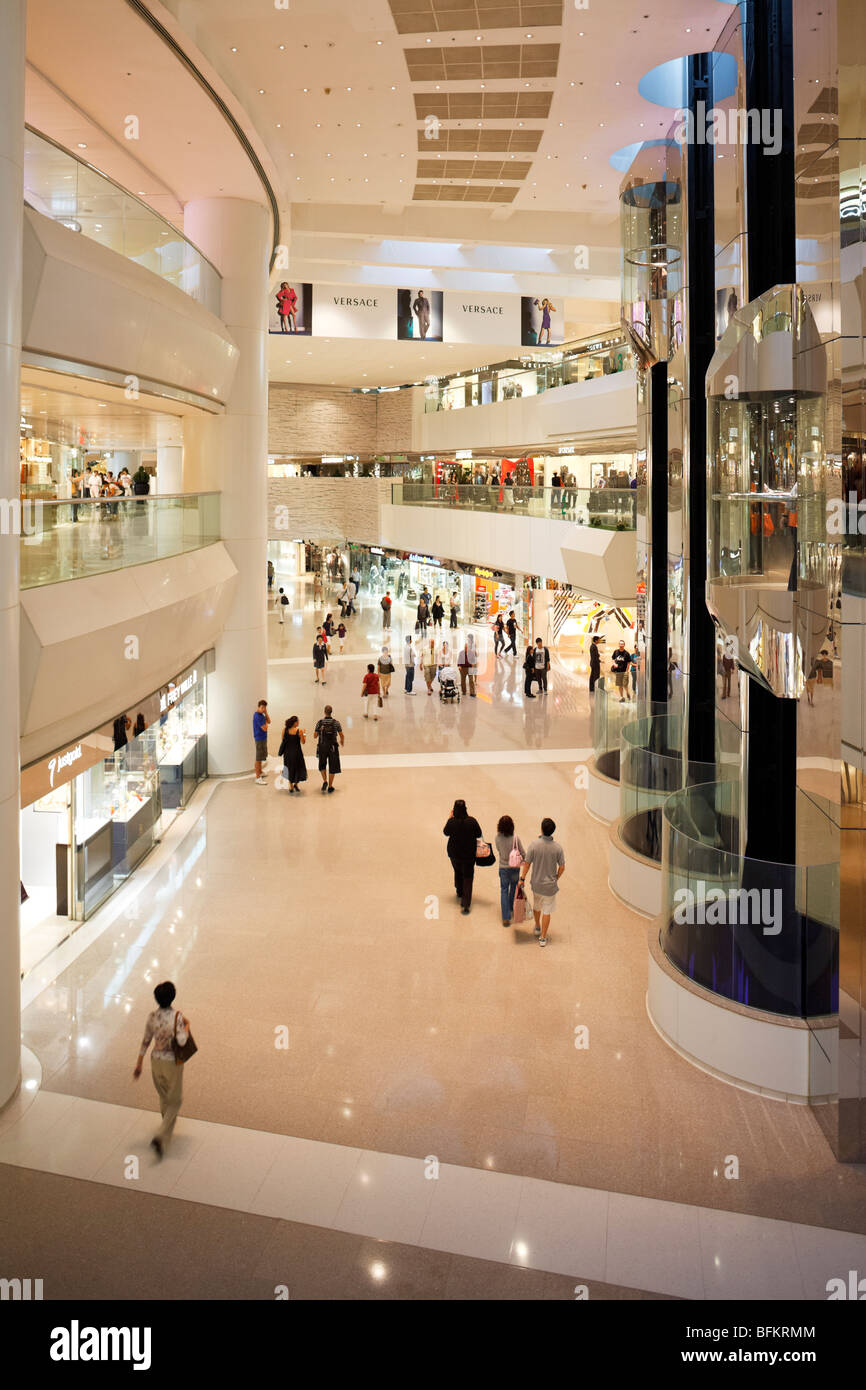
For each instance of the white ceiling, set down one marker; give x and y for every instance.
(342, 155)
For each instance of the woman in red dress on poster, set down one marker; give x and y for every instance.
(287, 306)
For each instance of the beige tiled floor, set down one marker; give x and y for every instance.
(414, 1030)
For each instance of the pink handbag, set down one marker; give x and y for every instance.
(515, 858)
(519, 905)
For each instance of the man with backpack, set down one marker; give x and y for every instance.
(329, 739)
(282, 605)
(386, 610)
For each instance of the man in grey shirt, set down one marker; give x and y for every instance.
(547, 861)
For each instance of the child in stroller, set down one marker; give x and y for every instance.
(449, 689)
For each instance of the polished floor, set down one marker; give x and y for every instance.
(415, 1033)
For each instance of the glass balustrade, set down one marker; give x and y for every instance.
(514, 380)
(758, 933)
(73, 540)
(65, 188)
(610, 509)
(652, 768)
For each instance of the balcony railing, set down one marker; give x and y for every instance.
(512, 381)
(74, 540)
(610, 509)
(68, 190)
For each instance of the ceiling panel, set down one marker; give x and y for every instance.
(503, 106)
(473, 169)
(482, 61)
(498, 141)
(448, 16)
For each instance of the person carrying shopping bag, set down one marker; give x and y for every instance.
(509, 848)
(467, 665)
(385, 669)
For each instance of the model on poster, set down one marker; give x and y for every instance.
(291, 309)
(419, 316)
(537, 322)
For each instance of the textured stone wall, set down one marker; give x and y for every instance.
(326, 509)
(320, 420)
(330, 420)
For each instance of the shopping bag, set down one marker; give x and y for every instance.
(519, 904)
(281, 782)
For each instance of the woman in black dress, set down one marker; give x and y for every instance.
(292, 753)
(463, 833)
(438, 611)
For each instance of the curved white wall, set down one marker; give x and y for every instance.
(602, 410)
(76, 668)
(85, 303)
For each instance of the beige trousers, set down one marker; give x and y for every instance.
(168, 1080)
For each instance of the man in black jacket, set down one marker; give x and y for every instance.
(594, 663)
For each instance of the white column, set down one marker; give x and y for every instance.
(229, 453)
(169, 469)
(11, 234)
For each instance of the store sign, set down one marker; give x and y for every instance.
(425, 560)
(340, 313)
(481, 318)
(463, 454)
(173, 693)
(484, 574)
(376, 550)
(61, 761)
(565, 449)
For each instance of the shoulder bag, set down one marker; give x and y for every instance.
(182, 1051)
(484, 855)
(515, 858)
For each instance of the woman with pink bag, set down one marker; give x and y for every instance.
(509, 847)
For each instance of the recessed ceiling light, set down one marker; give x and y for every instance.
(279, 126)
(282, 46)
(306, 89)
(234, 50)
(378, 43)
(261, 91)
(477, 38)
(348, 89)
(429, 40)
(141, 193)
(81, 145)
(529, 36)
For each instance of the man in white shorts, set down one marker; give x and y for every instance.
(547, 861)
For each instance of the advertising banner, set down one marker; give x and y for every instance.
(482, 318)
(354, 311)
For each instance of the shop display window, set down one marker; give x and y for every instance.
(116, 807)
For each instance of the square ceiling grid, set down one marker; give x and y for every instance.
(502, 141)
(473, 169)
(449, 16)
(493, 106)
(482, 61)
(455, 193)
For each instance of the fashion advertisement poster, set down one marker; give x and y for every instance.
(419, 316)
(291, 308)
(542, 321)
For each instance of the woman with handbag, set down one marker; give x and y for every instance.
(464, 833)
(292, 753)
(170, 1034)
(385, 668)
(509, 847)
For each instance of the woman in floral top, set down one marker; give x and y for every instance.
(163, 1025)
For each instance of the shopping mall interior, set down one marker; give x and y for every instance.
(436, 641)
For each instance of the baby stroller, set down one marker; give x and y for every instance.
(449, 691)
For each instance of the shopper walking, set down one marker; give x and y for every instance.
(512, 627)
(328, 629)
(437, 612)
(320, 656)
(261, 720)
(546, 859)
(410, 661)
(541, 664)
(728, 671)
(370, 691)
(423, 614)
(467, 665)
(429, 664)
(386, 609)
(619, 665)
(498, 635)
(594, 663)
(455, 608)
(329, 741)
(463, 832)
(385, 670)
(292, 753)
(164, 1026)
(270, 575)
(351, 591)
(282, 605)
(341, 635)
(509, 847)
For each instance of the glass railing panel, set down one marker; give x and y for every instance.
(73, 540)
(759, 933)
(63, 187)
(610, 509)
